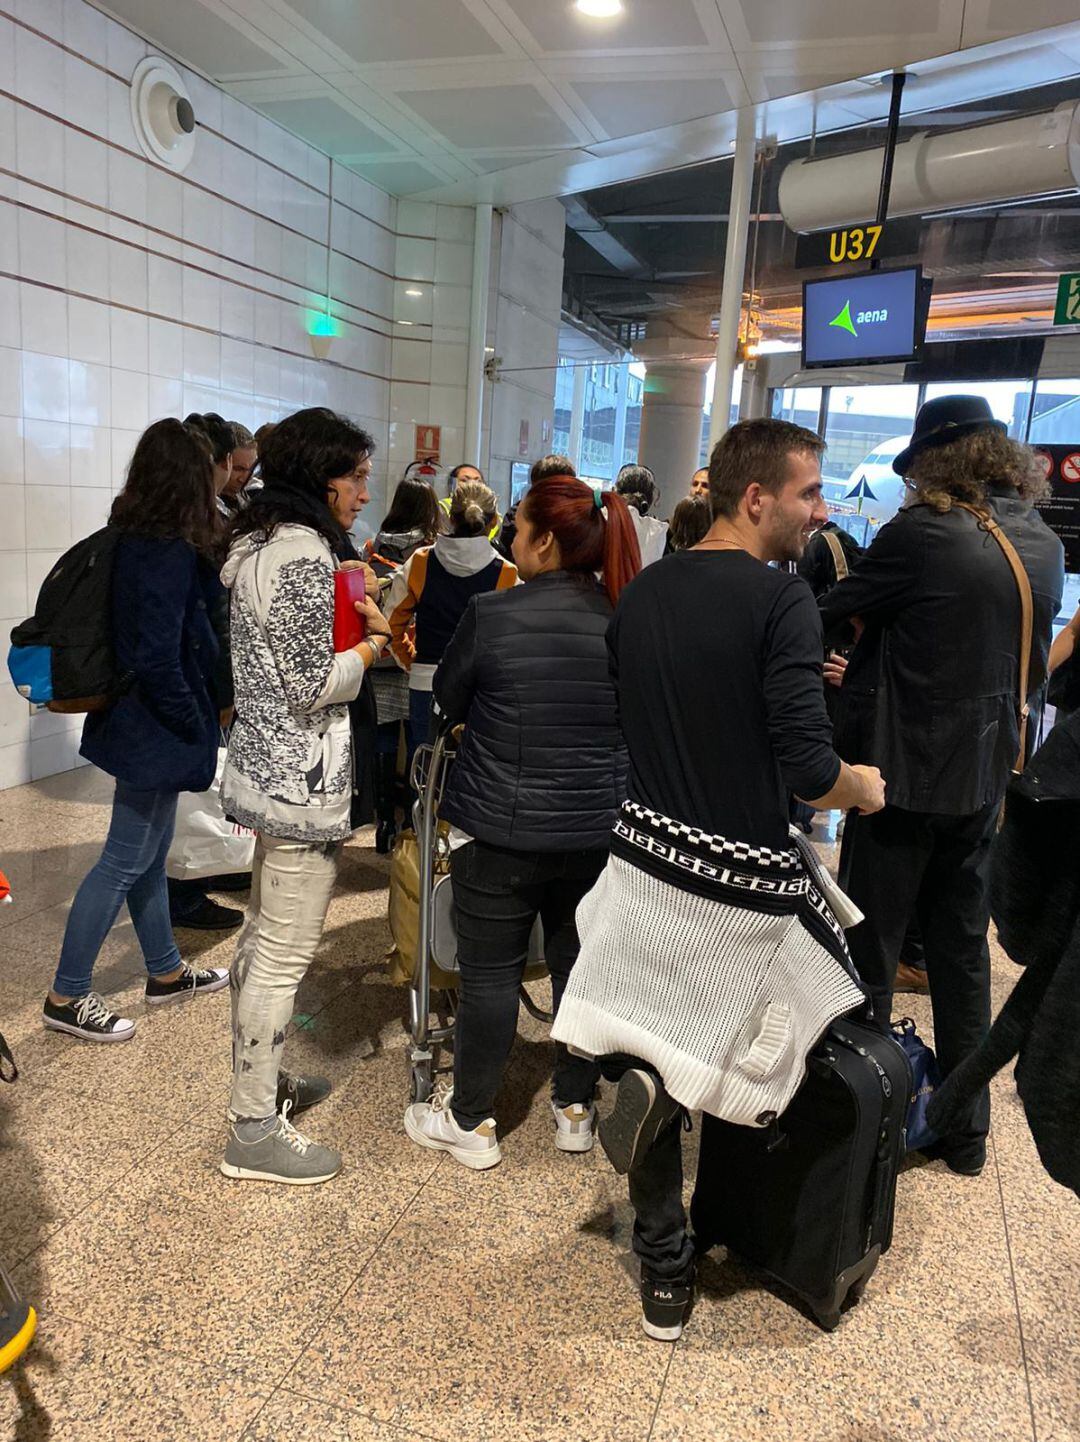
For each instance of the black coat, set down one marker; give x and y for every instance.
(542, 766)
(818, 567)
(930, 694)
(1035, 901)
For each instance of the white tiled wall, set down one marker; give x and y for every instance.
(128, 293)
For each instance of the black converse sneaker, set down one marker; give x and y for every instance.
(190, 981)
(665, 1306)
(87, 1017)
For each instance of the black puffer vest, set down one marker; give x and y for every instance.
(542, 766)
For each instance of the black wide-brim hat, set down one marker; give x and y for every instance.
(947, 419)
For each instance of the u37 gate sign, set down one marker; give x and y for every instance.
(1061, 511)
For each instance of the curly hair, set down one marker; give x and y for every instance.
(298, 460)
(965, 469)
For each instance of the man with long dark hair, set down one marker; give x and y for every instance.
(931, 696)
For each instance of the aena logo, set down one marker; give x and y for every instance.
(844, 320)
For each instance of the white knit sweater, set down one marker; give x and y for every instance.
(718, 963)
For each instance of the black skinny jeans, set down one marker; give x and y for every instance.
(498, 895)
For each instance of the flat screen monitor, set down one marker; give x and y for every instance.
(864, 319)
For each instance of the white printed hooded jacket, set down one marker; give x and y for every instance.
(289, 767)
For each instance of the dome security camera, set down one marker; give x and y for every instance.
(162, 113)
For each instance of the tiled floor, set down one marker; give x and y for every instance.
(409, 1299)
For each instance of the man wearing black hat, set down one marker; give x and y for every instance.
(931, 698)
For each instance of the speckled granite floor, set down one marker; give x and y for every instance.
(409, 1299)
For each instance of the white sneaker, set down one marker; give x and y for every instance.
(574, 1127)
(431, 1124)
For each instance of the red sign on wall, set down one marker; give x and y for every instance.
(428, 443)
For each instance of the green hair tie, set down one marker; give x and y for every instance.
(598, 497)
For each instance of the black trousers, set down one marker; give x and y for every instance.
(661, 1240)
(498, 895)
(897, 865)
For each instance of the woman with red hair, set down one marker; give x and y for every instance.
(532, 796)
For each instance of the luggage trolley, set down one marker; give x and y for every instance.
(436, 931)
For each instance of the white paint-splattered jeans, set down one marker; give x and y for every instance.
(290, 892)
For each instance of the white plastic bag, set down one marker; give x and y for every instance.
(205, 843)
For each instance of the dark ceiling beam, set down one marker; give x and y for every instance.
(592, 228)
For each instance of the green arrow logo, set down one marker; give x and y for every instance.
(843, 320)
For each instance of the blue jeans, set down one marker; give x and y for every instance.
(131, 869)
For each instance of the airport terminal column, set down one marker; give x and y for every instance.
(731, 295)
(478, 319)
(676, 356)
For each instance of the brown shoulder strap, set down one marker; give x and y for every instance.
(832, 540)
(1027, 614)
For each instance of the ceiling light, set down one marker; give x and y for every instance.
(413, 291)
(404, 322)
(599, 9)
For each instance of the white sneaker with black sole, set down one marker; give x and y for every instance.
(191, 981)
(87, 1017)
(574, 1127)
(431, 1124)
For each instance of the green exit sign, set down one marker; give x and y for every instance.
(1068, 300)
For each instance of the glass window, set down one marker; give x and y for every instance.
(799, 404)
(866, 428)
(564, 402)
(1055, 416)
(1007, 399)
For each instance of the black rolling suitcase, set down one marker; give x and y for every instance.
(810, 1198)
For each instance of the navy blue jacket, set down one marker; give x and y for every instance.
(542, 765)
(162, 735)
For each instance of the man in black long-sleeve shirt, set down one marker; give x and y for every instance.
(718, 659)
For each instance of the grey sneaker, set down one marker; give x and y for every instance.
(283, 1155)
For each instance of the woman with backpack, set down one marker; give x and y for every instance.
(428, 596)
(160, 736)
(289, 771)
(533, 794)
(413, 520)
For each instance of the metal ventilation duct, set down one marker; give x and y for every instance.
(952, 170)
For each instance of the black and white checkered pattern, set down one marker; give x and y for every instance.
(732, 850)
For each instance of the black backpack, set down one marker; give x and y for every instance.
(62, 657)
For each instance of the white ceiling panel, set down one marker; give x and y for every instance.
(644, 25)
(627, 107)
(992, 19)
(511, 100)
(490, 163)
(197, 34)
(475, 119)
(399, 177)
(326, 125)
(780, 21)
(376, 30)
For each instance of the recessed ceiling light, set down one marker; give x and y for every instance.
(414, 291)
(404, 322)
(599, 9)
